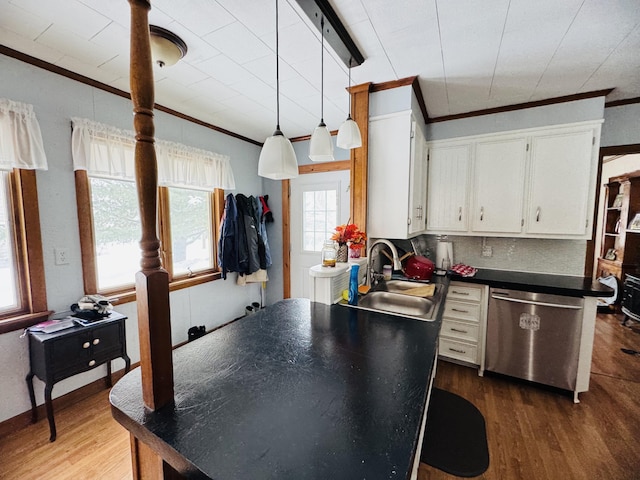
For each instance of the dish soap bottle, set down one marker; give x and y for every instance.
(353, 285)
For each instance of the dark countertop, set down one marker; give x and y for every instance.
(539, 283)
(299, 390)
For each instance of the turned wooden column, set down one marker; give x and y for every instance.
(152, 282)
(360, 156)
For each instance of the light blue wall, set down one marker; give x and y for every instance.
(621, 125)
(56, 99)
(569, 112)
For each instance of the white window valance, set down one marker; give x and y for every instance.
(108, 152)
(21, 143)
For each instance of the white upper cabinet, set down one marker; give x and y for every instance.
(563, 163)
(499, 169)
(447, 187)
(536, 183)
(397, 177)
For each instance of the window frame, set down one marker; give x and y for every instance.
(128, 294)
(23, 197)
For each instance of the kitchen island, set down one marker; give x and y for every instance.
(299, 390)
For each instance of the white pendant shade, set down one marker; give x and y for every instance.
(321, 145)
(277, 158)
(349, 135)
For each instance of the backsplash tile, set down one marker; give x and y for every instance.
(565, 257)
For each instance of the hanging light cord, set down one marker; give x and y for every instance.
(349, 116)
(277, 74)
(322, 70)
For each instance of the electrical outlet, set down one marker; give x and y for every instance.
(487, 251)
(61, 256)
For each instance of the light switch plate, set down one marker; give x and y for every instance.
(487, 251)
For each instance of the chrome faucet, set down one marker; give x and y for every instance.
(397, 265)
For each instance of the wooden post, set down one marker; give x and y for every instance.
(152, 282)
(360, 156)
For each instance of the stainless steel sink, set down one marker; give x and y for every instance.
(390, 299)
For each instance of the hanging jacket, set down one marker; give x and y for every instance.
(229, 237)
(249, 249)
(262, 228)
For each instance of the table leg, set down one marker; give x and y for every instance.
(32, 397)
(108, 380)
(127, 363)
(49, 405)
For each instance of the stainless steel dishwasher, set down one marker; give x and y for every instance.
(534, 336)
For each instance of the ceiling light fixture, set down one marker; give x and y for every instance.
(321, 145)
(166, 47)
(277, 159)
(349, 132)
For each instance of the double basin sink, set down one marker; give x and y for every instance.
(389, 297)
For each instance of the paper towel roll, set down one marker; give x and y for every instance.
(444, 255)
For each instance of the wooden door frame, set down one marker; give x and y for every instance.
(591, 244)
(286, 215)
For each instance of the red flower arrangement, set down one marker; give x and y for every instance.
(350, 233)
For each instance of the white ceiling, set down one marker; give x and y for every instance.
(468, 54)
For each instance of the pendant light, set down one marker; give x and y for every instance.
(277, 158)
(321, 145)
(349, 132)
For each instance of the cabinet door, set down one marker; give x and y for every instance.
(560, 202)
(389, 172)
(418, 179)
(447, 187)
(498, 185)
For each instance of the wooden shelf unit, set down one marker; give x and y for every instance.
(615, 233)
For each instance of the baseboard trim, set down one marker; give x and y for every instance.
(23, 419)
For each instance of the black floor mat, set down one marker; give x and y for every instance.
(455, 438)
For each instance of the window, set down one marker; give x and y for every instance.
(23, 299)
(319, 218)
(189, 209)
(9, 295)
(192, 236)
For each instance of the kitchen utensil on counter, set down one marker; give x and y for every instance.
(418, 267)
(444, 255)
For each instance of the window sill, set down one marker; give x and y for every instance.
(19, 322)
(130, 295)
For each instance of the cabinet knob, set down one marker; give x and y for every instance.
(96, 341)
(538, 214)
(481, 213)
(459, 214)
(86, 345)
(92, 363)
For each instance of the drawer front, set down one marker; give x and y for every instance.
(85, 350)
(68, 354)
(460, 331)
(458, 350)
(464, 292)
(461, 311)
(106, 340)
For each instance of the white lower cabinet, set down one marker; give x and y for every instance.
(464, 320)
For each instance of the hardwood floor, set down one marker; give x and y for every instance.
(533, 433)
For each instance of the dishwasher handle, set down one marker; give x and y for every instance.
(533, 302)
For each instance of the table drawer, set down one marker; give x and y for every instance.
(460, 331)
(464, 292)
(458, 350)
(461, 311)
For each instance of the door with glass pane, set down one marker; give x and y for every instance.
(319, 202)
